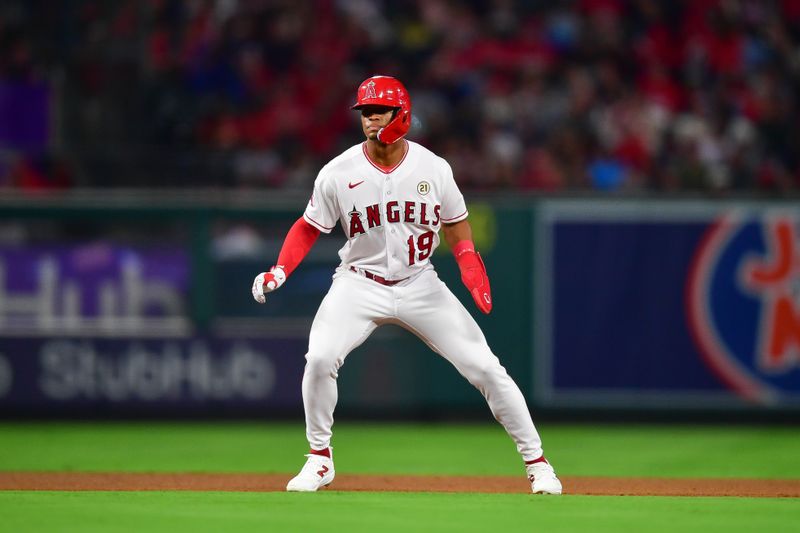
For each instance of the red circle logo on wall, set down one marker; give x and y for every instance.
(743, 304)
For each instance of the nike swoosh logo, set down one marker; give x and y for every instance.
(354, 185)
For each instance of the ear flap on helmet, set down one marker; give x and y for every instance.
(397, 128)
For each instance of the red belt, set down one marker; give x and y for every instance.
(376, 278)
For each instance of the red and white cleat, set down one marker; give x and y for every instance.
(317, 473)
(543, 478)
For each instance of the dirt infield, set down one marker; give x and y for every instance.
(277, 482)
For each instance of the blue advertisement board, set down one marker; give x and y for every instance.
(115, 376)
(667, 304)
(93, 287)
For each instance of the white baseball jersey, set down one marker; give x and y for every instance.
(391, 217)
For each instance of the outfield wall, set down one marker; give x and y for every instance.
(118, 305)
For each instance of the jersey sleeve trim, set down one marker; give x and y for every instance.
(323, 229)
(459, 218)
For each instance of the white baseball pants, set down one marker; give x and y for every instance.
(355, 306)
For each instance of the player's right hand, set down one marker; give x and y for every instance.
(268, 282)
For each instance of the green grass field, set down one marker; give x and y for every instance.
(614, 450)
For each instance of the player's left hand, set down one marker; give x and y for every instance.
(267, 282)
(474, 277)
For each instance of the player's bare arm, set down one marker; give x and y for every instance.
(473, 272)
(457, 232)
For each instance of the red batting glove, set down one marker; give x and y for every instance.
(473, 274)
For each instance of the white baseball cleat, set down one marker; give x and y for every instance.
(317, 473)
(543, 478)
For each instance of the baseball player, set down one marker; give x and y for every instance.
(392, 197)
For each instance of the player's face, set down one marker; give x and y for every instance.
(373, 118)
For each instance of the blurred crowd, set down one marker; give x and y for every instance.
(580, 95)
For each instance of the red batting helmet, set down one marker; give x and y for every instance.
(389, 92)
